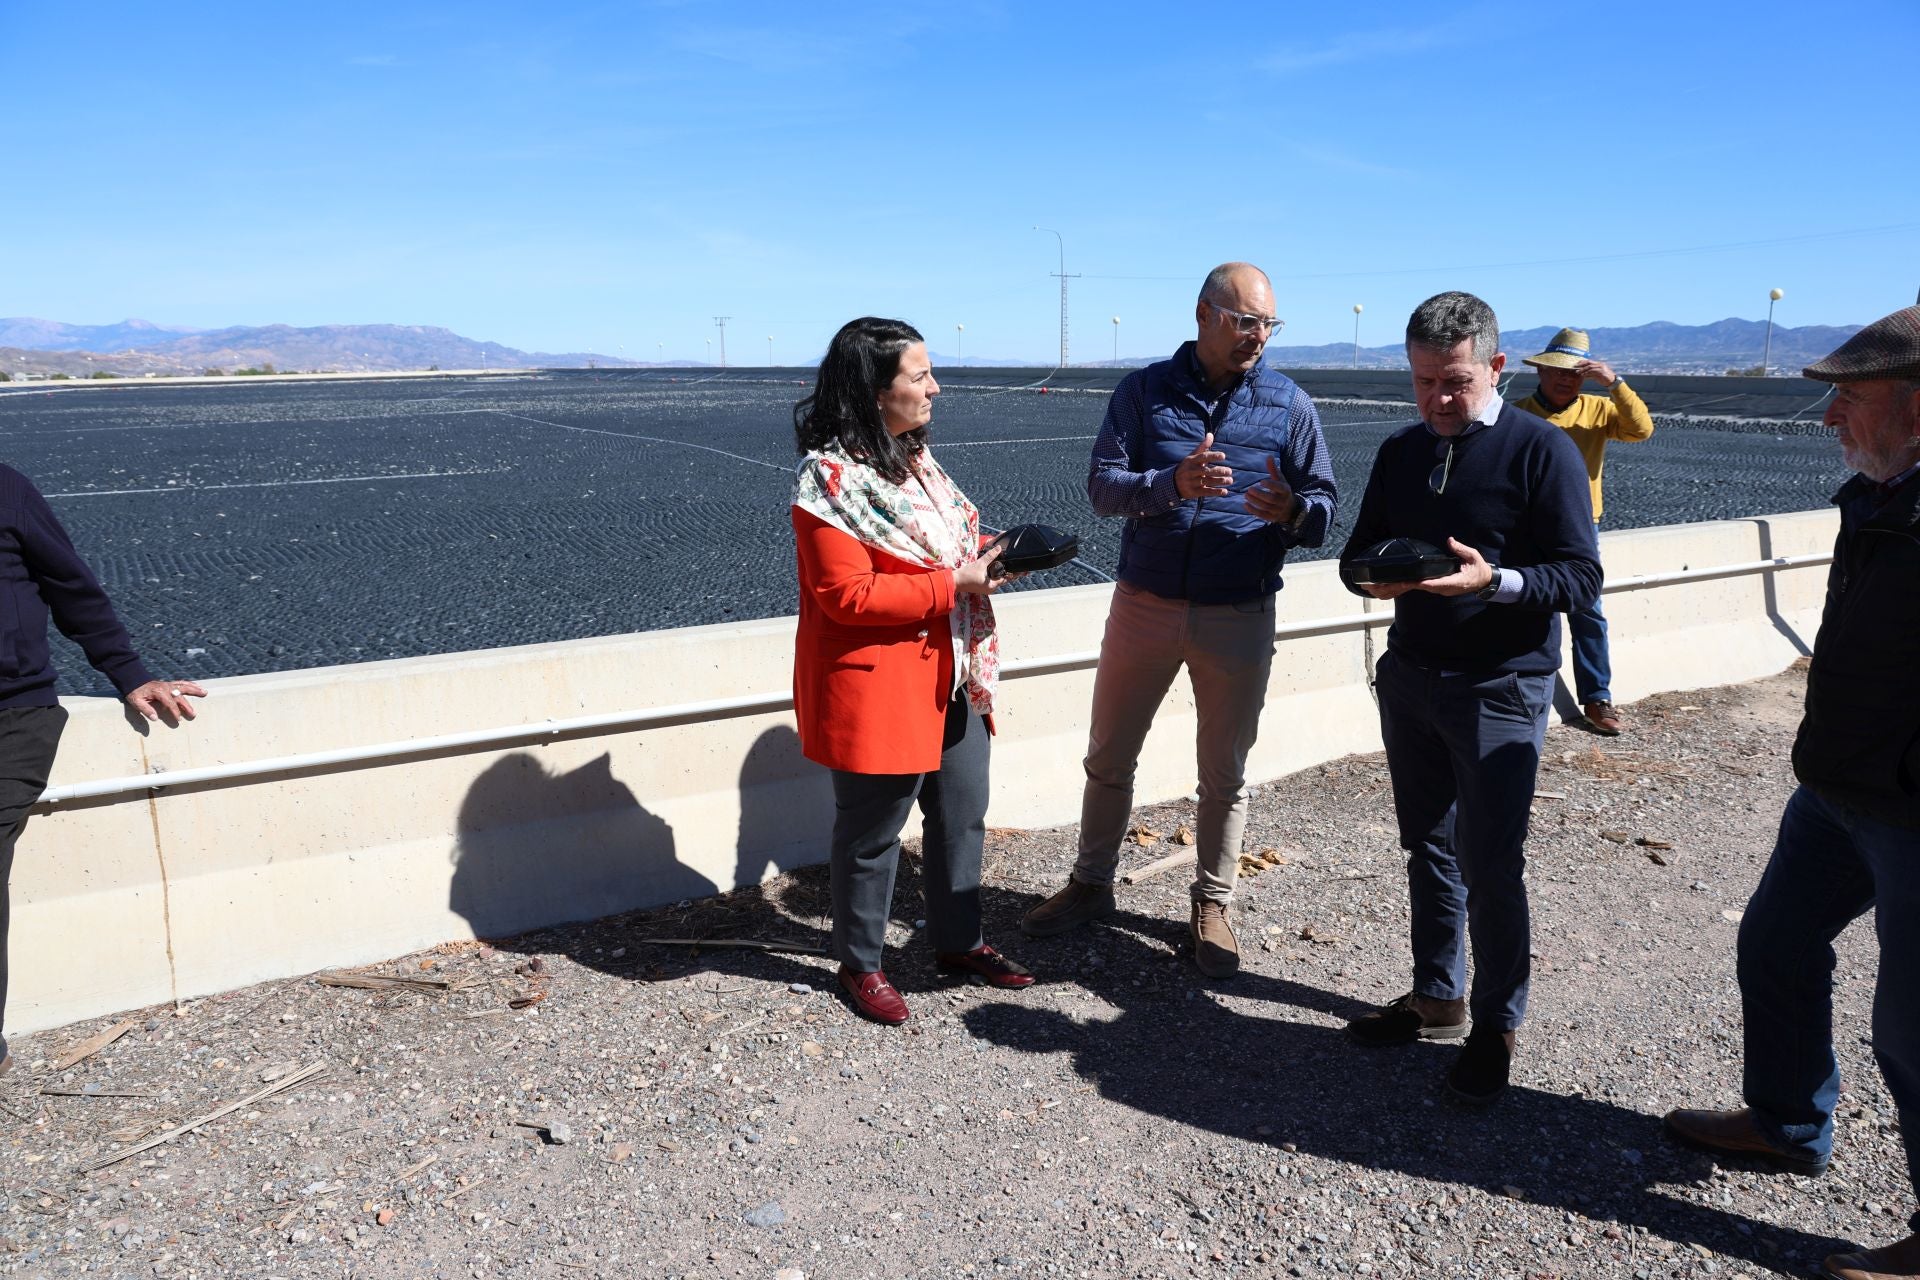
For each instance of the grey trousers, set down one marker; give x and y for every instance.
(869, 811)
(1227, 650)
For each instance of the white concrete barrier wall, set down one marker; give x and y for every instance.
(184, 892)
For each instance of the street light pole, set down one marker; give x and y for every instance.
(1766, 354)
(1116, 342)
(769, 351)
(957, 331)
(1357, 309)
(1062, 273)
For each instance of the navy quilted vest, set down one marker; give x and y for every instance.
(1209, 550)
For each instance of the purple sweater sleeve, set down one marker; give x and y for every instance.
(73, 596)
(1114, 485)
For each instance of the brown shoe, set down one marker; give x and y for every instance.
(1412, 1017)
(1601, 718)
(1737, 1133)
(1216, 952)
(1900, 1259)
(1073, 906)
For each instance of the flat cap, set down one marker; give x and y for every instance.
(1887, 348)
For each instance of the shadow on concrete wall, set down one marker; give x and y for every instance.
(538, 848)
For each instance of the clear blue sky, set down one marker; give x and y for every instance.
(598, 177)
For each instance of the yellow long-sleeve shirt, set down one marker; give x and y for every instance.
(1594, 420)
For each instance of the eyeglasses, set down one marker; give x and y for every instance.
(1250, 325)
(1437, 479)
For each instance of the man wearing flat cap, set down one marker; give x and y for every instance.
(1849, 840)
(1591, 421)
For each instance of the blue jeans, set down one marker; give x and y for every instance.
(1592, 669)
(1830, 866)
(1463, 751)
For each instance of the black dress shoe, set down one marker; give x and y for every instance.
(987, 964)
(1479, 1075)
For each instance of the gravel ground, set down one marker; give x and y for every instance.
(661, 1111)
(256, 528)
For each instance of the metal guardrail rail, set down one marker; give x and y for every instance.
(375, 754)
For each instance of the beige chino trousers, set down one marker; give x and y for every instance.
(1227, 650)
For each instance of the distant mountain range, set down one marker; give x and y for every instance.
(1659, 347)
(137, 348)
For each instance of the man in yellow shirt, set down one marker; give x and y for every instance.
(1591, 421)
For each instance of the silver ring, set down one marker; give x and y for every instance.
(178, 694)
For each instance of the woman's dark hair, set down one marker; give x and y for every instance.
(860, 363)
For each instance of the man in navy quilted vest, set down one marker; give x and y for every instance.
(1217, 464)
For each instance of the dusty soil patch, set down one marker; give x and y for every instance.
(578, 1102)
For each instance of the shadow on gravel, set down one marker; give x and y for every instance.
(1198, 1062)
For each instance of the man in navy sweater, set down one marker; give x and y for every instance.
(1467, 679)
(41, 575)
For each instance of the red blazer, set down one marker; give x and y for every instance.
(873, 658)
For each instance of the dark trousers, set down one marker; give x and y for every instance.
(28, 738)
(1830, 866)
(1463, 751)
(869, 811)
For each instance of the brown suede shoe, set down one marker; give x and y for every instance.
(1073, 906)
(1601, 718)
(1216, 952)
(1410, 1018)
(1737, 1133)
(1901, 1259)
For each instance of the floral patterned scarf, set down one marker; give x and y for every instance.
(850, 495)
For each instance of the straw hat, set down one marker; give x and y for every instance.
(1566, 351)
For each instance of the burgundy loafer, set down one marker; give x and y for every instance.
(986, 963)
(874, 997)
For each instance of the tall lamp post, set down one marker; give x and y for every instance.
(769, 351)
(957, 331)
(661, 349)
(1357, 309)
(709, 350)
(1766, 353)
(1116, 342)
(1062, 273)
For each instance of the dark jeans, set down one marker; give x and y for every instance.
(1463, 751)
(28, 738)
(869, 811)
(1830, 866)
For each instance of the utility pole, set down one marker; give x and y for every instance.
(722, 322)
(1064, 277)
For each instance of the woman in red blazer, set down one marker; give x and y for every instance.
(896, 659)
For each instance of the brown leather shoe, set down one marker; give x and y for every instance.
(1073, 906)
(1216, 952)
(986, 964)
(1900, 1259)
(1412, 1017)
(1737, 1133)
(874, 997)
(1601, 718)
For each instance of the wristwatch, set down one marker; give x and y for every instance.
(1493, 585)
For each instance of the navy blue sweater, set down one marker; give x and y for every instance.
(41, 574)
(1518, 494)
